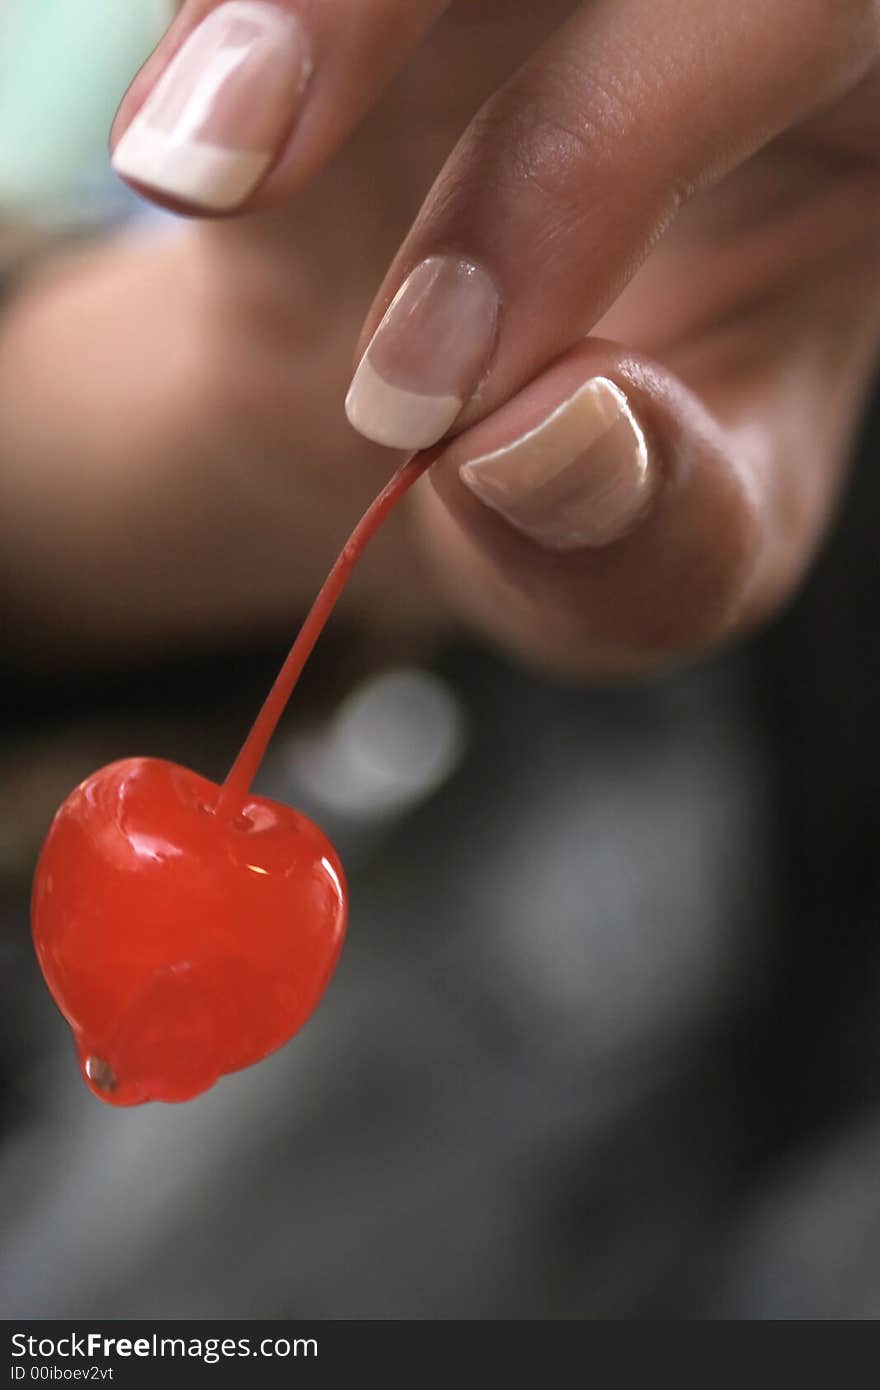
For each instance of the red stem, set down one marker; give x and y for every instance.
(235, 789)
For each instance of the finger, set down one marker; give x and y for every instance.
(565, 181)
(603, 519)
(248, 95)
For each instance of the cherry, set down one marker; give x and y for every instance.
(176, 946)
(186, 930)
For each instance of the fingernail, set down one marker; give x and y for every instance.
(427, 356)
(579, 478)
(217, 117)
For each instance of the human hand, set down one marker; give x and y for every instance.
(699, 187)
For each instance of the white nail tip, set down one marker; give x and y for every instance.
(193, 172)
(395, 417)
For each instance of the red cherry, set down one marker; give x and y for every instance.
(184, 929)
(179, 945)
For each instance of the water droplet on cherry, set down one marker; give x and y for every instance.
(100, 1075)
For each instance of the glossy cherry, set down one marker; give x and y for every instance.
(186, 930)
(176, 946)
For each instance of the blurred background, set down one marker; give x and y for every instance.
(604, 1042)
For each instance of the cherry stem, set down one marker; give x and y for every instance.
(236, 788)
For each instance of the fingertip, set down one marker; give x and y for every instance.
(211, 117)
(579, 477)
(427, 355)
(608, 495)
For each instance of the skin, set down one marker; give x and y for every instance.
(698, 193)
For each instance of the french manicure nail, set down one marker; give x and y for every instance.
(578, 478)
(217, 117)
(427, 356)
